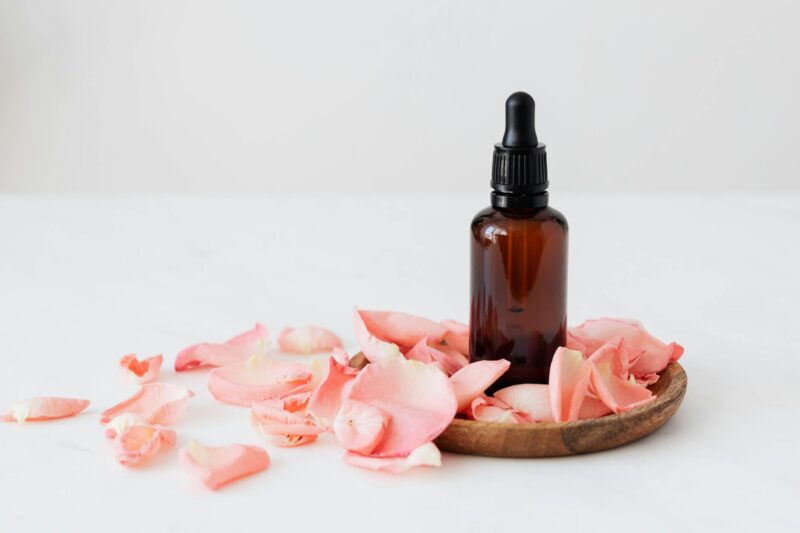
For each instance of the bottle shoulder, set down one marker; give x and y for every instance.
(501, 218)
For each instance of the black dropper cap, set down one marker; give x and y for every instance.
(519, 168)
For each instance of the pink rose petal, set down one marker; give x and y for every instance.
(256, 380)
(135, 444)
(473, 379)
(648, 355)
(296, 402)
(617, 394)
(457, 336)
(373, 348)
(613, 353)
(402, 329)
(418, 398)
(359, 427)
(448, 359)
(141, 371)
(235, 350)
(44, 408)
(425, 455)
(569, 384)
(530, 399)
(593, 407)
(307, 340)
(216, 466)
(286, 428)
(327, 398)
(153, 403)
(488, 409)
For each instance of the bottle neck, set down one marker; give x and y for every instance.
(519, 201)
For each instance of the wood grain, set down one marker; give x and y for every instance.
(569, 438)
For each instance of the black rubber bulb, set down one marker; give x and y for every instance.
(520, 129)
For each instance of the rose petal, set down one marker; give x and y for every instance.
(44, 408)
(256, 380)
(137, 443)
(569, 383)
(154, 403)
(425, 455)
(307, 340)
(648, 355)
(615, 354)
(235, 350)
(419, 399)
(617, 394)
(284, 427)
(457, 336)
(359, 427)
(141, 371)
(327, 398)
(216, 466)
(592, 407)
(530, 399)
(473, 379)
(448, 359)
(488, 409)
(122, 422)
(296, 402)
(373, 348)
(402, 329)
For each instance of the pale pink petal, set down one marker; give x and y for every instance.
(473, 379)
(120, 423)
(569, 383)
(141, 371)
(44, 408)
(153, 403)
(402, 329)
(307, 340)
(448, 359)
(341, 356)
(488, 409)
(530, 399)
(359, 427)
(457, 336)
(418, 398)
(297, 402)
(327, 398)
(284, 427)
(135, 444)
(256, 380)
(216, 466)
(593, 407)
(617, 394)
(235, 350)
(648, 355)
(615, 354)
(425, 455)
(373, 348)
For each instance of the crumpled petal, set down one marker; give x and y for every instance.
(135, 444)
(359, 427)
(530, 399)
(648, 355)
(235, 350)
(327, 398)
(448, 359)
(593, 407)
(286, 428)
(141, 371)
(153, 403)
(256, 380)
(307, 340)
(488, 409)
(425, 455)
(418, 398)
(473, 379)
(609, 378)
(402, 329)
(457, 336)
(373, 348)
(568, 384)
(44, 408)
(216, 466)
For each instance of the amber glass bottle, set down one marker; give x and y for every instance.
(519, 258)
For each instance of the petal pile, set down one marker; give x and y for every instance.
(326, 400)
(235, 350)
(217, 466)
(44, 408)
(257, 379)
(141, 371)
(308, 340)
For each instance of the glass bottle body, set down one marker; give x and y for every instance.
(519, 290)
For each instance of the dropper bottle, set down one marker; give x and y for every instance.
(519, 258)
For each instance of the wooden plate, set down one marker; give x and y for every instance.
(568, 438)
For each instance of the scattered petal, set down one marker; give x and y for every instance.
(284, 427)
(569, 383)
(327, 398)
(44, 408)
(448, 359)
(135, 444)
(473, 379)
(154, 403)
(402, 329)
(530, 399)
(457, 336)
(235, 350)
(141, 371)
(307, 340)
(373, 348)
(256, 380)
(425, 455)
(359, 427)
(122, 422)
(216, 466)
(418, 398)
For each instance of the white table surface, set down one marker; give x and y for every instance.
(85, 280)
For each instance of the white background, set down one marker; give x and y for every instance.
(99, 95)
